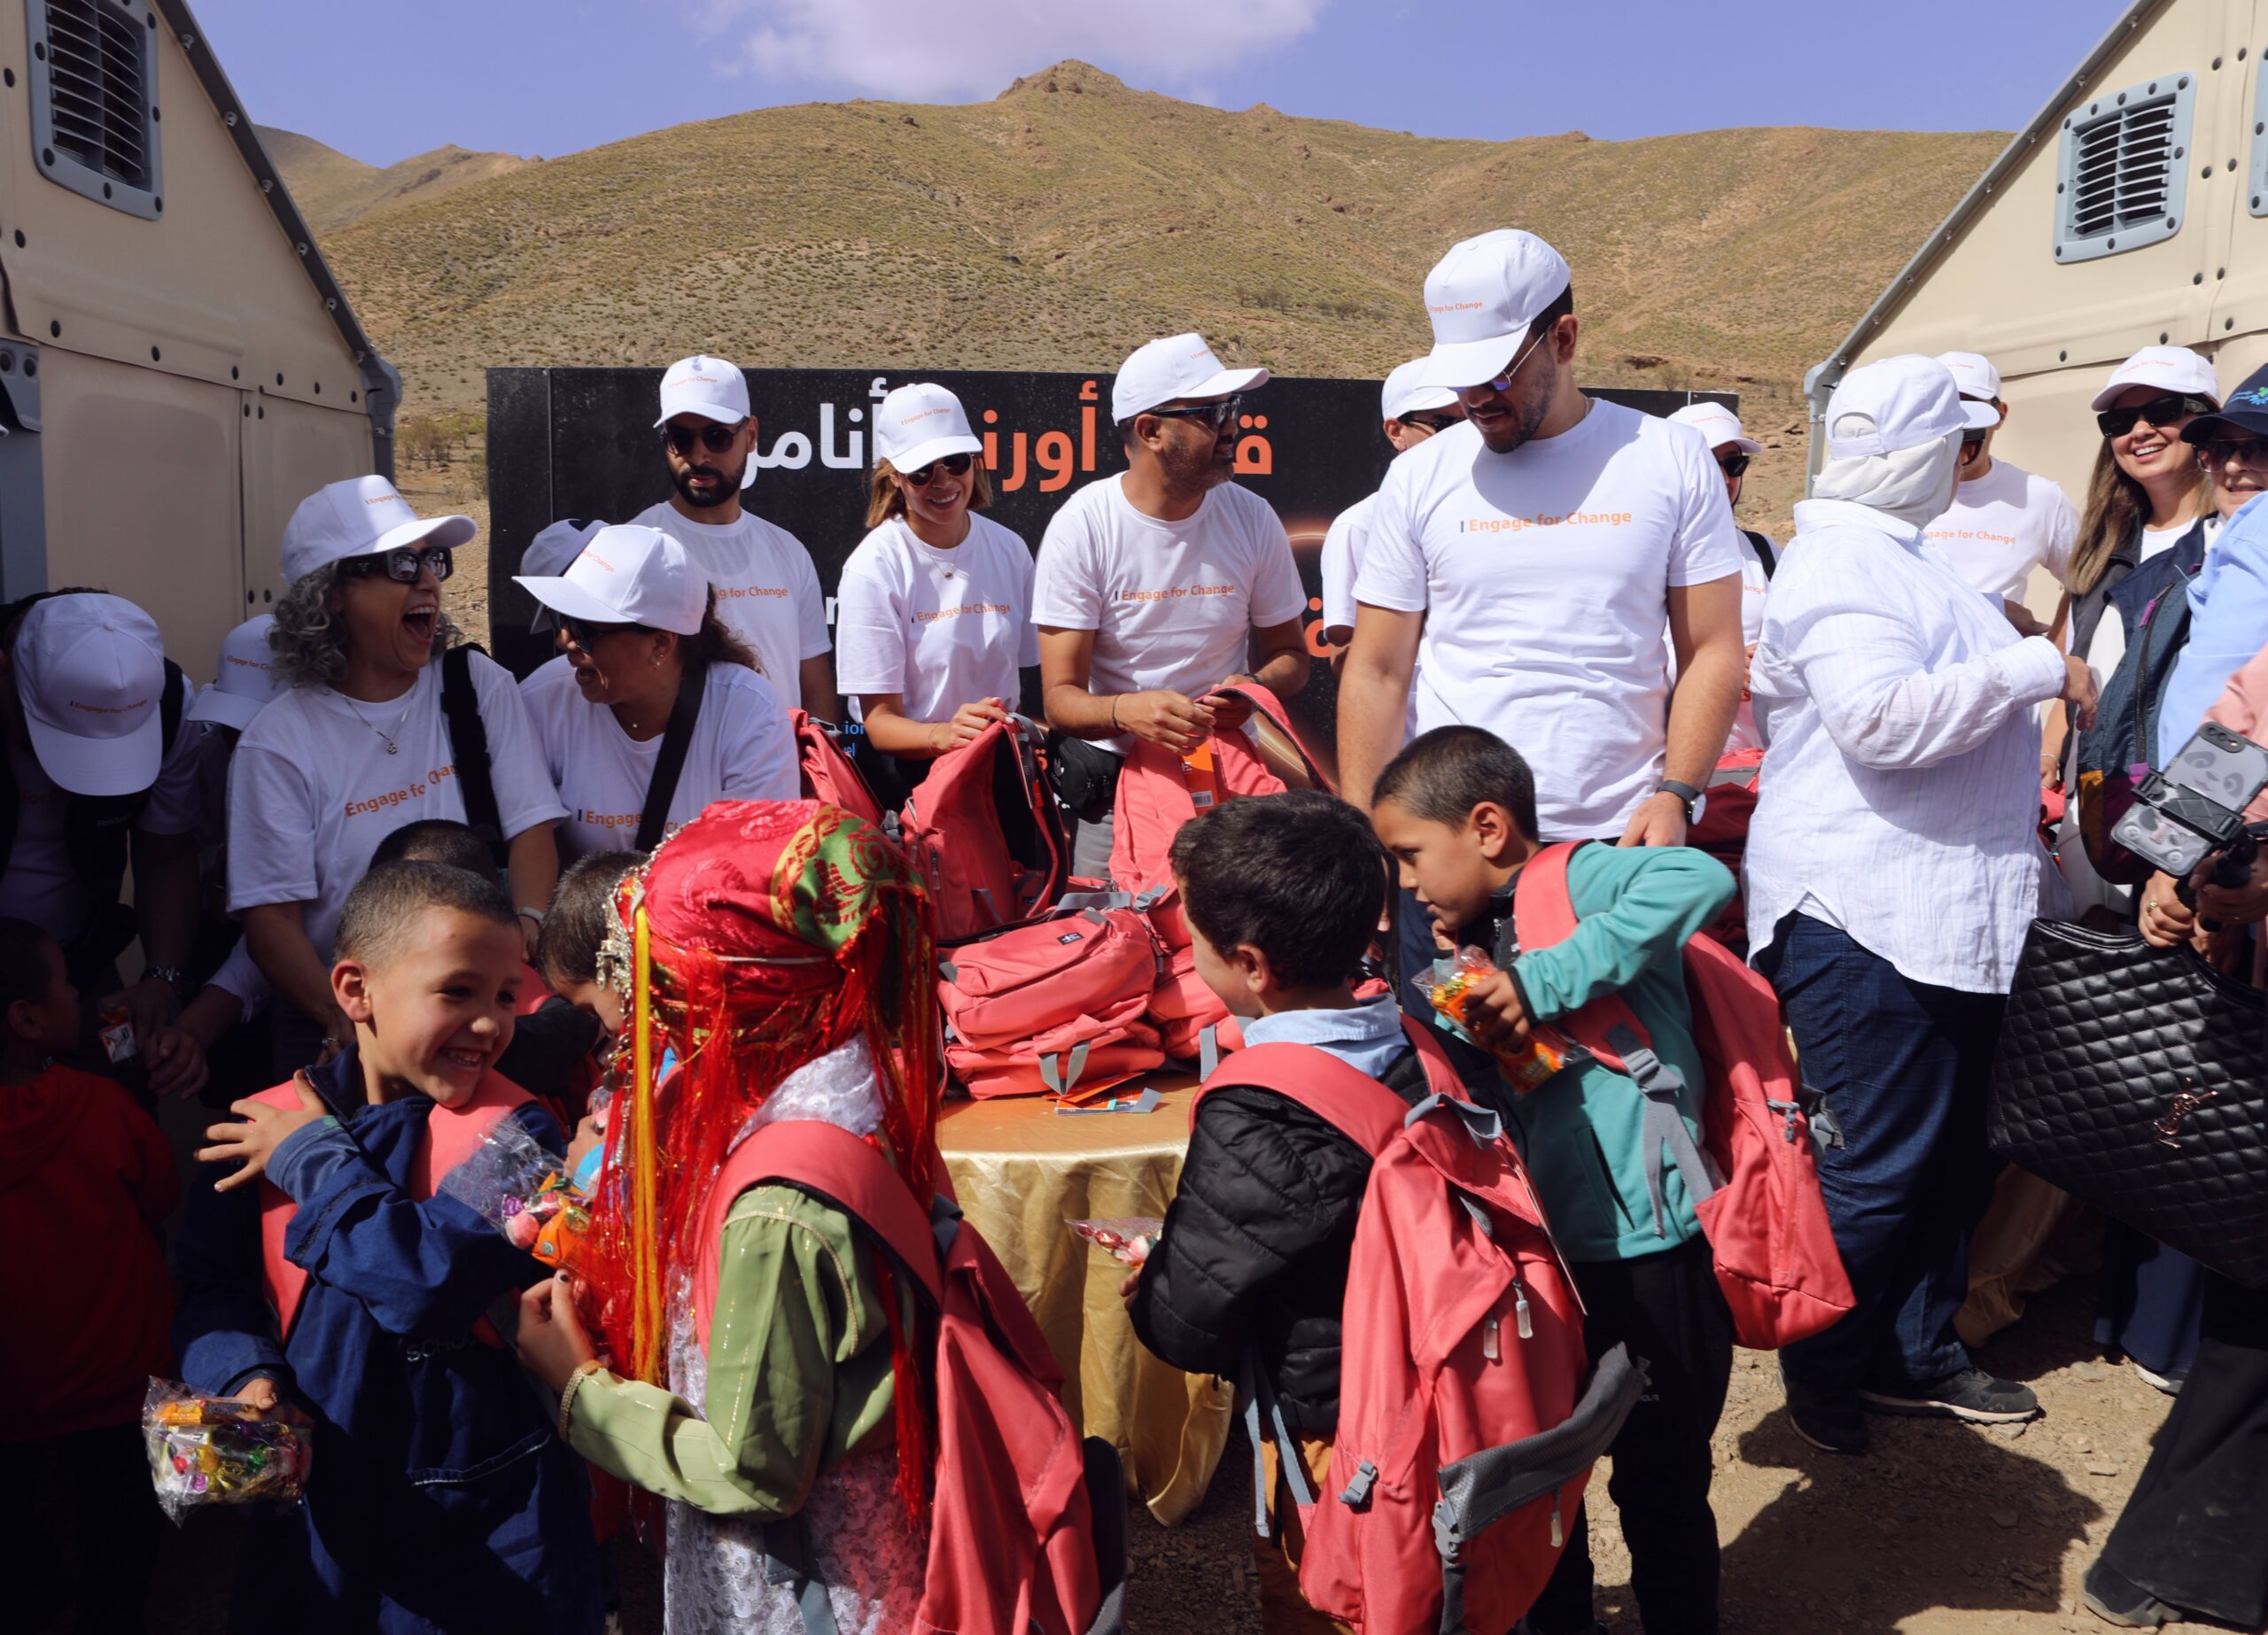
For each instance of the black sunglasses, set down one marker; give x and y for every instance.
(584, 631)
(1434, 423)
(2251, 452)
(1219, 415)
(714, 438)
(2160, 412)
(1970, 442)
(1732, 465)
(404, 562)
(954, 463)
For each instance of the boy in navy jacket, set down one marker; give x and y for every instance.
(329, 1269)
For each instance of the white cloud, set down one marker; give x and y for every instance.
(922, 52)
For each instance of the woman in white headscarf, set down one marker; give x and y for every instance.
(1893, 870)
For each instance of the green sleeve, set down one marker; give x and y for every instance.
(799, 1371)
(1638, 906)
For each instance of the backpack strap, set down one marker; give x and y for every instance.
(468, 748)
(669, 766)
(1543, 912)
(1267, 705)
(1762, 547)
(1352, 1102)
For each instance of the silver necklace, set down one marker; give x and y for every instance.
(385, 737)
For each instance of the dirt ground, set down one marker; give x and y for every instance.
(1945, 1529)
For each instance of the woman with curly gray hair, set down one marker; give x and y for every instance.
(360, 744)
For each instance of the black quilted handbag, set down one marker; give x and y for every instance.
(2137, 1078)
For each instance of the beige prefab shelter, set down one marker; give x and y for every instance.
(2133, 209)
(178, 367)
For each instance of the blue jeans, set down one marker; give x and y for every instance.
(1904, 1068)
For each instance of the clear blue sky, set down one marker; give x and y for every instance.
(384, 79)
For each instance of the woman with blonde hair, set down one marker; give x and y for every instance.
(933, 616)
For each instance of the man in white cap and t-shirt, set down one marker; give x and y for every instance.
(103, 780)
(767, 591)
(2004, 521)
(1530, 562)
(1414, 411)
(1162, 584)
(1732, 448)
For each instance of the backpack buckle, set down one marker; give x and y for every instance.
(1357, 1496)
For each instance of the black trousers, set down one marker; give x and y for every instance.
(2195, 1533)
(1667, 1308)
(80, 1524)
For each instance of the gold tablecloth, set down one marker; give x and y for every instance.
(1021, 1170)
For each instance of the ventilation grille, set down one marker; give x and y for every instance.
(94, 103)
(2122, 179)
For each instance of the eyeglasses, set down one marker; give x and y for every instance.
(712, 436)
(1503, 382)
(954, 463)
(2160, 412)
(404, 562)
(1434, 423)
(584, 631)
(1732, 465)
(1220, 415)
(2251, 452)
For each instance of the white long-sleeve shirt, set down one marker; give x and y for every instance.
(1900, 791)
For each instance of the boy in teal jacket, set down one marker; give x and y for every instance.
(1457, 809)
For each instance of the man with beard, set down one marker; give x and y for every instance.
(767, 591)
(1527, 563)
(1160, 584)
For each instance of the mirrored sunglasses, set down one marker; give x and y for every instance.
(403, 563)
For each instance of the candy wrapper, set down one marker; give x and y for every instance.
(218, 1451)
(1448, 986)
(1129, 1238)
(118, 1035)
(516, 1185)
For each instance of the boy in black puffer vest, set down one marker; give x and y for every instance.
(1282, 894)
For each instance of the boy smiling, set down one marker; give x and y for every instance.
(327, 1268)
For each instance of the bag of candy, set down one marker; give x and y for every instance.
(522, 1188)
(1448, 984)
(1127, 1239)
(218, 1451)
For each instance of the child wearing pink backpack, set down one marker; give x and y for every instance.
(1456, 812)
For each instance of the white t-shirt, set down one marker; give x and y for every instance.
(767, 591)
(38, 884)
(1344, 543)
(1172, 605)
(940, 629)
(2003, 525)
(741, 749)
(1753, 585)
(1543, 576)
(311, 790)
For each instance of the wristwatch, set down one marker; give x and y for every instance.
(1696, 802)
(174, 976)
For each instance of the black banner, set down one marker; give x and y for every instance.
(582, 443)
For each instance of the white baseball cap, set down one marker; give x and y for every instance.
(704, 386)
(1179, 365)
(549, 552)
(1481, 297)
(1718, 426)
(1407, 393)
(246, 680)
(627, 575)
(360, 516)
(1893, 403)
(2169, 368)
(90, 672)
(1980, 387)
(920, 424)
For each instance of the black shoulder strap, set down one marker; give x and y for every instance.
(170, 702)
(676, 740)
(1764, 553)
(469, 748)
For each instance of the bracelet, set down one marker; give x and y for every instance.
(583, 1371)
(1115, 697)
(534, 914)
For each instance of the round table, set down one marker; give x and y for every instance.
(1022, 1170)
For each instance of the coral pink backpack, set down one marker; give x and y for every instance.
(1756, 1187)
(1012, 1532)
(1046, 1006)
(451, 1136)
(1466, 1431)
(828, 773)
(983, 830)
